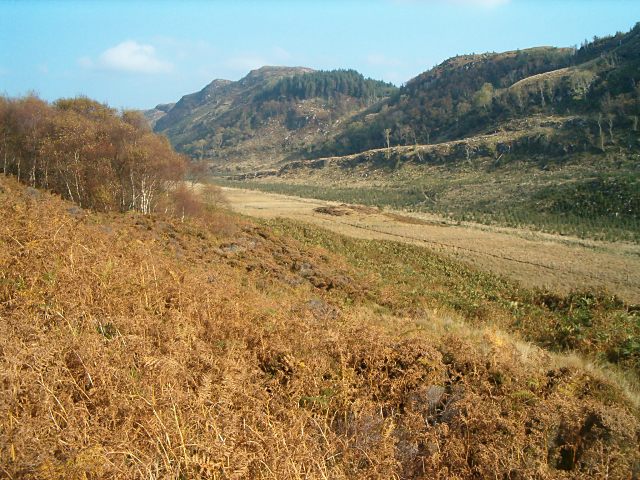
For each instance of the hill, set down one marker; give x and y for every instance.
(477, 94)
(283, 112)
(156, 113)
(141, 345)
(506, 178)
(271, 111)
(544, 138)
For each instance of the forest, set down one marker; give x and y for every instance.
(88, 153)
(327, 84)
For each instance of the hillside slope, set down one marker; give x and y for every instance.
(519, 178)
(282, 112)
(140, 346)
(473, 94)
(271, 111)
(545, 139)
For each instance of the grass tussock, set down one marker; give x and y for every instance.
(139, 346)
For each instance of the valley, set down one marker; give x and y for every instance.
(535, 259)
(542, 138)
(299, 273)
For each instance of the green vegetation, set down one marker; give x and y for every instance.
(327, 84)
(543, 138)
(396, 198)
(271, 113)
(597, 228)
(411, 279)
(604, 207)
(603, 196)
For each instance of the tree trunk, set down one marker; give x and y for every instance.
(600, 133)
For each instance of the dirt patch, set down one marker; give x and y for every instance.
(331, 210)
(410, 220)
(362, 209)
(345, 209)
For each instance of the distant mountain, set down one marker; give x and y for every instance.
(271, 111)
(157, 113)
(544, 137)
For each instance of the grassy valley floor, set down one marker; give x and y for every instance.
(536, 259)
(591, 197)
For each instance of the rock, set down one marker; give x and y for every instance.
(427, 399)
(291, 280)
(305, 269)
(75, 211)
(433, 397)
(233, 248)
(322, 310)
(33, 193)
(108, 229)
(238, 247)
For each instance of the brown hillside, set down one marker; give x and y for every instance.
(138, 346)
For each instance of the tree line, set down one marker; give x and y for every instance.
(328, 84)
(88, 153)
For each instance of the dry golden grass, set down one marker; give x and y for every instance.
(534, 259)
(145, 347)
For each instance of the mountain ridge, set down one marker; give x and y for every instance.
(463, 96)
(470, 94)
(268, 110)
(528, 119)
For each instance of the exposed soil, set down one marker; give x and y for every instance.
(536, 259)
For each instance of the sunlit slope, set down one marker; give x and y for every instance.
(139, 346)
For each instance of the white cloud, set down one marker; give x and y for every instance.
(128, 56)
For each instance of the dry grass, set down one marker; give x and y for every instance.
(535, 259)
(145, 347)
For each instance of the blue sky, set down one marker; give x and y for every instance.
(138, 54)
